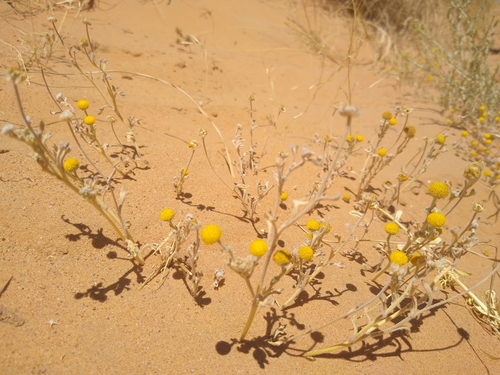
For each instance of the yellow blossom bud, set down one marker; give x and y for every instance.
(258, 247)
(282, 257)
(210, 234)
(71, 164)
(306, 253)
(387, 115)
(398, 257)
(436, 219)
(83, 104)
(89, 120)
(167, 214)
(312, 225)
(391, 228)
(382, 152)
(393, 121)
(438, 190)
(284, 196)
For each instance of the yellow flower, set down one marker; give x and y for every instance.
(391, 228)
(403, 177)
(349, 138)
(438, 189)
(487, 172)
(436, 219)
(167, 214)
(192, 144)
(258, 247)
(482, 108)
(474, 143)
(393, 121)
(415, 258)
(284, 196)
(488, 141)
(497, 118)
(71, 164)
(440, 139)
(89, 120)
(387, 115)
(282, 257)
(487, 135)
(327, 229)
(382, 152)
(481, 119)
(464, 133)
(473, 153)
(450, 121)
(83, 104)
(359, 138)
(453, 110)
(210, 234)
(306, 253)
(398, 257)
(410, 131)
(184, 172)
(346, 197)
(312, 225)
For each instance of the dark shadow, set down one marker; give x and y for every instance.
(200, 298)
(6, 286)
(327, 296)
(99, 292)
(99, 240)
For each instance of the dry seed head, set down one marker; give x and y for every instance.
(210, 234)
(473, 171)
(348, 110)
(477, 207)
(258, 247)
(438, 190)
(398, 257)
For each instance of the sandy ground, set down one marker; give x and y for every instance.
(70, 301)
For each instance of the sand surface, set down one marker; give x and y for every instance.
(70, 301)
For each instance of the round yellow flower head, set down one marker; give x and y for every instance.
(284, 196)
(473, 153)
(167, 214)
(306, 253)
(210, 234)
(398, 257)
(436, 219)
(387, 115)
(393, 121)
(382, 152)
(83, 104)
(487, 172)
(464, 133)
(89, 120)
(410, 131)
(497, 118)
(487, 135)
(71, 164)
(481, 119)
(482, 108)
(346, 197)
(312, 225)
(415, 258)
(440, 139)
(391, 228)
(282, 257)
(359, 138)
(403, 177)
(474, 143)
(327, 229)
(184, 172)
(349, 138)
(450, 121)
(258, 247)
(438, 189)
